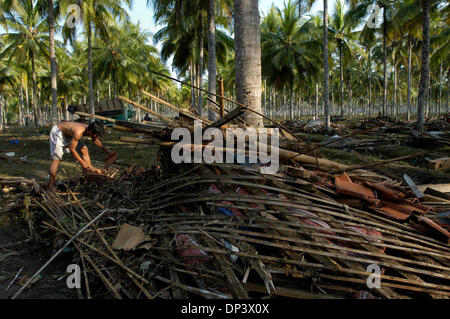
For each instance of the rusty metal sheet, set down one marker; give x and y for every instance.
(390, 212)
(385, 191)
(404, 208)
(345, 186)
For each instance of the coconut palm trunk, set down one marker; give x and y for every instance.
(90, 76)
(193, 83)
(34, 94)
(200, 66)
(247, 35)
(212, 68)
(21, 107)
(326, 70)
(342, 78)
(27, 99)
(1, 113)
(51, 21)
(316, 106)
(291, 102)
(394, 106)
(440, 88)
(425, 70)
(384, 62)
(409, 78)
(448, 82)
(370, 83)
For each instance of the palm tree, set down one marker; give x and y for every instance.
(325, 66)
(26, 39)
(247, 38)
(425, 68)
(95, 15)
(6, 80)
(358, 11)
(326, 74)
(288, 52)
(212, 67)
(341, 31)
(182, 40)
(51, 22)
(47, 9)
(408, 19)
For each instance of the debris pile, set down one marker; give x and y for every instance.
(315, 229)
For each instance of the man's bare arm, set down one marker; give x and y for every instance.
(72, 148)
(100, 145)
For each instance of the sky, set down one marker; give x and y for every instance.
(144, 15)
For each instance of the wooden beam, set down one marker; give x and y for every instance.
(103, 118)
(150, 141)
(351, 168)
(228, 118)
(441, 164)
(173, 107)
(443, 188)
(221, 103)
(165, 119)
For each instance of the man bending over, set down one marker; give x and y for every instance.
(66, 138)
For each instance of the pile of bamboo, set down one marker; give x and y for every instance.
(226, 231)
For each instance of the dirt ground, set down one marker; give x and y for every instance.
(17, 253)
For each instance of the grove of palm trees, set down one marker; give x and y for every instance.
(385, 69)
(352, 98)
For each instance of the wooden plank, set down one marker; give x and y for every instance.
(228, 118)
(435, 193)
(289, 292)
(443, 188)
(165, 119)
(173, 107)
(98, 117)
(221, 102)
(151, 141)
(124, 129)
(351, 168)
(142, 127)
(440, 164)
(236, 288)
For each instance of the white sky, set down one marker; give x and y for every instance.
(143, 14)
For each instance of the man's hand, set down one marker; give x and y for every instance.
(91, 170)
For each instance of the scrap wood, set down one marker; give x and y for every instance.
(440, 163)
(288, 228)
(165, 119)
(95, 116)
(150, 141)
(235, 286)
(442, 188)
(57, 253)
(228, 118)
(152, 128)
(436, 193)
(173, 107)
(379, 163)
